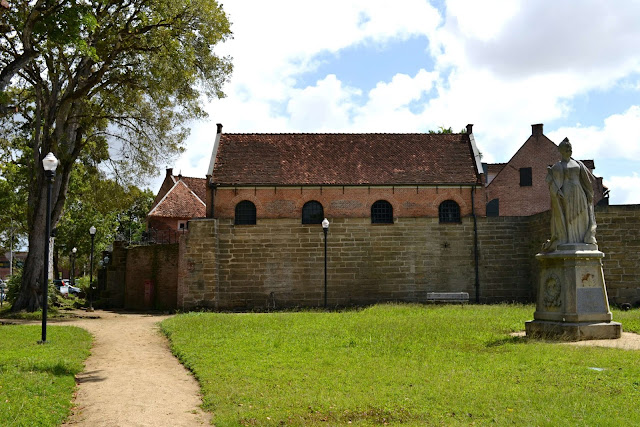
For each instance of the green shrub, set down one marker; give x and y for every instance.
(13, 285)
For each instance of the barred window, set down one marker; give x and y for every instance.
(449, 211)
(312, 213)
(245, 213)
(381, 212)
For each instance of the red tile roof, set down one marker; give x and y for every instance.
(179, 202)
(344, 159)
(197, 185)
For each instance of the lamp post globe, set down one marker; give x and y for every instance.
(49, 164)
(72, 275)
(92, 232)
(325, 229)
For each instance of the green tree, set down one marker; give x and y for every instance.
(112, 83)
(117, 212)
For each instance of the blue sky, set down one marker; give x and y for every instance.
(414, 65)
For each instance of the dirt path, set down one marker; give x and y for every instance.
(131, 377)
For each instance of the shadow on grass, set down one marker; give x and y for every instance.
(507, 340)
(59, 369)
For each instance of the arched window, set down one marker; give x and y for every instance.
(381, 212)
(245, 213)
(312, 213)
(449, 211)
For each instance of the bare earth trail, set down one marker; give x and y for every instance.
(131, 378)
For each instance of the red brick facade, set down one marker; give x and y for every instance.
(518, 198)
(345, 173)
(344, 202)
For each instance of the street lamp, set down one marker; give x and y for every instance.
(92, 232)
(325, 229)
(73, 267)
(49, 163)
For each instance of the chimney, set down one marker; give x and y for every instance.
(536, 130)
(169, 171)
(469, 129)
(219, 126)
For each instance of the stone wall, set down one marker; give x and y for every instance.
(279, 263)
(505, 264)
(197, 272)
(618, 237)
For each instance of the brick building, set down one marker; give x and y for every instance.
(518, 187)
(377, 176)
(179, 199)
(407, 214)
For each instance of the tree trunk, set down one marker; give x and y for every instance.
(30, 295)
(56, 268)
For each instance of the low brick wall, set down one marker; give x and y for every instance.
(151, 277)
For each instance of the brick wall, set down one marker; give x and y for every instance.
(158, 266)
(537, 152)
(164, 223)
(345, 202)
(116, 276)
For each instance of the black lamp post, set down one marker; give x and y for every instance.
(49, 163)
(73, 267)
(325, 229)
(92, 232)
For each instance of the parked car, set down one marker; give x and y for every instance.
(60, 282)
(65, 288)
(3, 290)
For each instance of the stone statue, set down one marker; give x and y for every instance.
(571, 187)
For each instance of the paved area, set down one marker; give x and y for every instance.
(628, 341)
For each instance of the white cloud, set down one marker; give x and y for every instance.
(616, 139)
(321, 108)
(625, 188)
(501, 65)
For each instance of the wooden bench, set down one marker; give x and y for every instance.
(448, 297)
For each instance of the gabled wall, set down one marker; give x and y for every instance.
(537, 152)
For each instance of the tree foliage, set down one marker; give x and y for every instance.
(109, 83)
(116, 211)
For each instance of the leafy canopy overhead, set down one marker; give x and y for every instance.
(109, 84)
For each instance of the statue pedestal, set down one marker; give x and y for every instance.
(572, 299)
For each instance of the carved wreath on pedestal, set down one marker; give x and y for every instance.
(552, 291)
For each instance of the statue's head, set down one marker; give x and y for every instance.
(565, 146)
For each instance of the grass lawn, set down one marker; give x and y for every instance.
(402, 364)
(37, 381)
